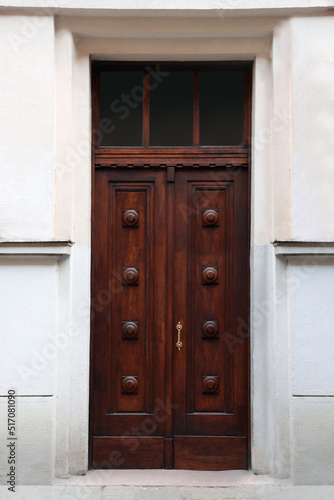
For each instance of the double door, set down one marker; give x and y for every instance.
(170, 306)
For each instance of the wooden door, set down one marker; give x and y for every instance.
(211, 283)
(129, 297)
(170, 246)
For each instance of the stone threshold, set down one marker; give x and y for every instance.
(240, 492)
(163, 477)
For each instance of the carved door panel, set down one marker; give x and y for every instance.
(166, 249)
(211, 297)
(129, 319)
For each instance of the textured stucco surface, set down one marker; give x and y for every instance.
(230, 5)
(312, 106)
(313, 438)
(312, 291)
(26, 139)
(34, 446)
(166, 493)
(28, 325)
(45, 193)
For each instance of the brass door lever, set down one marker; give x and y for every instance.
(179, 328)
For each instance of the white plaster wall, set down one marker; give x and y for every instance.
(311, 281)
(47, 194)
(311, 278)
(312, 327)
(28, 287)
(262, 272)
(72, 220)
(229, 5)
(34, 445)
(26, 139)
(262, 377)
(313, 438)
(281, 116)
(27, 325)
(312, 97)
(78, 371)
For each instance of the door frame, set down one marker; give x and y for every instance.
(77, 43)
(230, 157)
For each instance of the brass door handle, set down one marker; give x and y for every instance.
(179, 328)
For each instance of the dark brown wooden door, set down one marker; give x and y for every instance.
(211, 282)
(170, 245)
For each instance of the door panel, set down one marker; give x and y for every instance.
(211, 270)
(153, 405)
(128, 452)
(130, 240)
(130, 320)
(210, 453)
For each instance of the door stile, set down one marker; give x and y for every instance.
(241, 303)
(170, 278)
(98, 313)
(180, 294)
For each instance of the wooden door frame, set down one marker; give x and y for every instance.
(228, 157)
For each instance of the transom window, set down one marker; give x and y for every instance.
(159, 105)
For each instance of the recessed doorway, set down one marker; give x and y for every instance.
(170, 266)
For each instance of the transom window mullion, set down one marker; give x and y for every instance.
(146, 110)
(196, 109)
